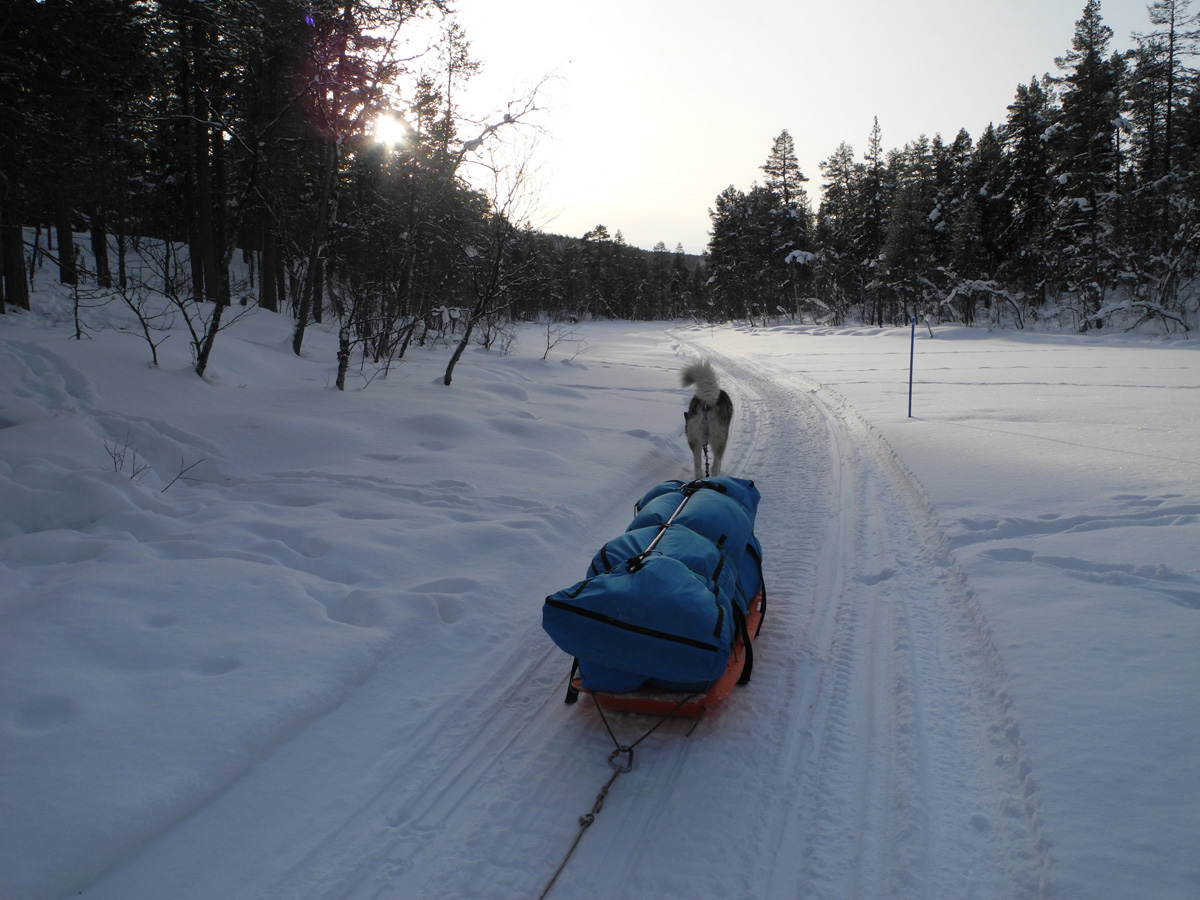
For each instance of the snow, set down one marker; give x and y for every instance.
(312, 664)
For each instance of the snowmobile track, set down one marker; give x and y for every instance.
(909, 777)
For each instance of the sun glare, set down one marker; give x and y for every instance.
(389, 130)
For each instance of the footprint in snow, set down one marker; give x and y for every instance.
(872, 580)
(40, 715)
(217, 665)
(1180, 588)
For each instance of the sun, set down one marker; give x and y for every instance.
(389, 131)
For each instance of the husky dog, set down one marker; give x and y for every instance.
(707, 419)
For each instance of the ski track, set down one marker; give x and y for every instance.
(874, 754)
(911, 781)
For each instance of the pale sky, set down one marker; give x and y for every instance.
(659, 105)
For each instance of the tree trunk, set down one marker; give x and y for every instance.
(210, 335)
(203, 251)
(195, 83)
(122, 273)
(35, 256)
(343, 356)
(68, 273)
(318, 301)
(100, 251)
(222, 239)
(459, 350)
(312, 275)
(14, 289)
(283, 285)
(268, 284)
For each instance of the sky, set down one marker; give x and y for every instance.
(655, 106)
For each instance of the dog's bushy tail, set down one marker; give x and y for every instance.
(701, 374)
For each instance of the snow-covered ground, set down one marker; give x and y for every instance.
(313, 666)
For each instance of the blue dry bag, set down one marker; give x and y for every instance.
(663, 602)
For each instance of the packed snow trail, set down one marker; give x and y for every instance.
(873, 755)
(898, 766)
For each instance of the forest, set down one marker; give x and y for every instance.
(1083, 201)
(217, 156)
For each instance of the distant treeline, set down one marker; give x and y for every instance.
(243, 132)
(1088, 195)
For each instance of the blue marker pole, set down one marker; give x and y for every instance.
(912, 350)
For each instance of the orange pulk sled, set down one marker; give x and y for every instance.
(666, 619)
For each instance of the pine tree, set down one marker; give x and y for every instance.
(783, 173)
(1086, 161)
(1156, 84)
(840, 275)
(908, 257)
(1169, 47)
(748, 271)
(873, 200)
(1160, 250)
(792, 223)
(873, 204)
(971, 182)
(731, 283)
(1024, 240)
(987, 177)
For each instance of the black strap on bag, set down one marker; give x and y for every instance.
(762, 586)
(572, 691)
(739, 619)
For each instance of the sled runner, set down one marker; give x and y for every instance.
(666, 619)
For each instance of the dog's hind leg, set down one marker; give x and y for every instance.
(717, 445)
(697, 461)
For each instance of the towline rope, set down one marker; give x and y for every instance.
(619, 769)
(585, 822)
